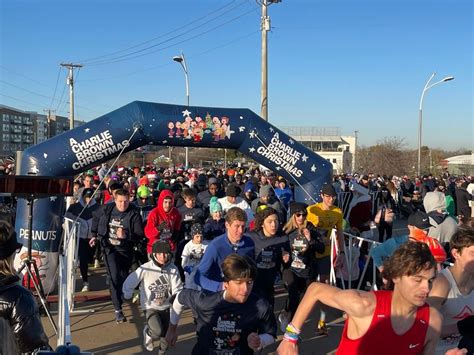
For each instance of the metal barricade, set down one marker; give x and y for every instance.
(348, 259)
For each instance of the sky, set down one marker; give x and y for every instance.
(354, 64)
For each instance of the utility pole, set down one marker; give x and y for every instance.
(70, 82)
(48, 122)
(265, 26)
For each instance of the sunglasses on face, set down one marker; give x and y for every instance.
(301, 214)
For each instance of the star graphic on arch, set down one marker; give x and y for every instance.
(251, 150)
(229, 132)
(164, 142)
(53, 198)
(272, 130)
(252, 134)
(241, 128)
(313, 168)
(45, 155)
(87, 130)
(34, 169)
(304, 158)
(277, 168)
(291, 141)
(241, 117)
(186, 113)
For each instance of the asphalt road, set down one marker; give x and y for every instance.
(98, 333)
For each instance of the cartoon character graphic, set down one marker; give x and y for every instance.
(178, 132)
(171, 130)
(217, 131)
(185, 128)
(197, 134)
(209, 123)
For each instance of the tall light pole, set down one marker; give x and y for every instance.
(181, 60)
(420, 113)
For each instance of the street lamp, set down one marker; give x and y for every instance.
(420, 113)
(181, 60)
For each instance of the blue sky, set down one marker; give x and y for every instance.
(358, 65)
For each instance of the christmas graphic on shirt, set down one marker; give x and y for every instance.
(299, 246)
(266, 259)
(165, 231)
(159, 291)
(227, 334)
(114, 225)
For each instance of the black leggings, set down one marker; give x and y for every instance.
(384, 227)
(296, 287)
(84, 254)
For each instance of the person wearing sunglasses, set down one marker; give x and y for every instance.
(304, 242)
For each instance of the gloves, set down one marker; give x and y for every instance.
(188, 269)
(466, 326)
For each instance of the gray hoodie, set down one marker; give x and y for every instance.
(444, 225)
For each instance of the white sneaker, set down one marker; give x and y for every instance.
(136, 297)
(85, 287)
(282, 318)
(96, 264)
(147, 340)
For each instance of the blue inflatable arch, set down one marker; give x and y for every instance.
(140, 123)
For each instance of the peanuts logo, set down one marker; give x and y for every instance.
(95, 148)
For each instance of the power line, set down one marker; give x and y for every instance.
(31, 103)
(170, 63)
(44, 96)
(160, 36)
(55, 88)
(119, 59)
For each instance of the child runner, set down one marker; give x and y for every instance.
(192, 255)
(159, 281)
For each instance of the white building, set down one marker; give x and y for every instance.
(328, 143)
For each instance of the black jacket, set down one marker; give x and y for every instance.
(18, 306)
(132, 222)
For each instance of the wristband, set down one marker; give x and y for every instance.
(290, 328)
(289, 339)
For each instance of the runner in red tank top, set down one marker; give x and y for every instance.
(382, 322)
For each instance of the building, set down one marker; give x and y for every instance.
(459, 164)
(20, 129)
(16, 128)
(328, 143)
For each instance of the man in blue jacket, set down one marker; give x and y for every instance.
(209, 273)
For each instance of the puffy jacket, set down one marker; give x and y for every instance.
(19, 308)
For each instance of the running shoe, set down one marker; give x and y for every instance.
(147, 340)
(119, 317)
(136, 297)
(322, 328)
(96, 264)
(85, 287)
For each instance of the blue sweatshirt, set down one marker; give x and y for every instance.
(385, 250)
(209, 273)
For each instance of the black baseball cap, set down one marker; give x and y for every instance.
(419, 220)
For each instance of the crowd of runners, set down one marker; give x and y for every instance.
(217, 242)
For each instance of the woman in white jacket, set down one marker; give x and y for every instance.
(159, 282)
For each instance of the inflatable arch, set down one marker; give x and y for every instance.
(140, 123)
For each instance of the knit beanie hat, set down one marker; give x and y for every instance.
(143, 191)
(296, 207)
(215, 205)
(196, 229)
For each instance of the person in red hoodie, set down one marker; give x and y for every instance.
(164, 222)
